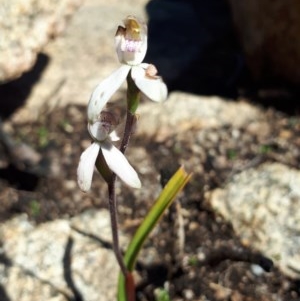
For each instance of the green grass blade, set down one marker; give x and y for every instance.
(165, 199)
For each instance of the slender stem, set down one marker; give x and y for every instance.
(114, 224)
(133, 96)
(130, 123)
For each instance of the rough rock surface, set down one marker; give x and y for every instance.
(25, 28)
(196, 112)
(80, 58)
(60, 260)
(262, 205)
(266, 29)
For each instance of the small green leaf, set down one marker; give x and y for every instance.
(162, 295)
(265, 149)
(43, 136)
(35, 208)
(231, 154)
(165, 199)
(193, 261)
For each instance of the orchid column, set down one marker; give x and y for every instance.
(131, 47)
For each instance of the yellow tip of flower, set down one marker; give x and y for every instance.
(133, 27)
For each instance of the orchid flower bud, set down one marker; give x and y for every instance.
(103, 127)
(131, 41)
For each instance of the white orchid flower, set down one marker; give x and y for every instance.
(131, 47)
(131, 41)
(103, 135)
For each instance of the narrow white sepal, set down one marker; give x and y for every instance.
(86, 165)
(154, 88)
(118, 163)
(103, 92)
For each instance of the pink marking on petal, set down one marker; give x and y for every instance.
(132, 45)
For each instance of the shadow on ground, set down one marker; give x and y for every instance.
(15, 93)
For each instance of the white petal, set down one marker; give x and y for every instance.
(104, 91)
(118, 163)
(113, 136)
(86, 165)
(154, 88)
(97, 131)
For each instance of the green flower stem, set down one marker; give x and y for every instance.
(133, 95)
(133, 100)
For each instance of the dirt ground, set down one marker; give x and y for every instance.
(213, 265)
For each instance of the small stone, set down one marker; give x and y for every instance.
(188, 294)
(257, 270)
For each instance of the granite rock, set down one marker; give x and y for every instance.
(59, 260)
(262, 205)
(183, 111)
(26, 26)
(80, 58)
